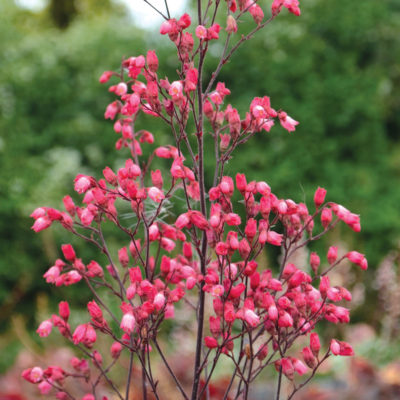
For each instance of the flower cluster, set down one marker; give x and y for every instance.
(210, 249)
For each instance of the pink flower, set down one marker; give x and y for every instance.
(335, 347)
(44, 387)
(111, 110)
(176, 90)
(274, 238)
(251, 318)
(217, 290)
(41, 223)
(82, 183)
(167, 244)
(213, 32)
(166, 27)
(44, 329)
(159, 301)
(128, 323)
(201, 32)
(257, 13)
(79, 334)
(52, 274)
(184, 21)
(287, 122)
(36, 374)
(72, 277)
(121, 89)
(232, 219)
(287, 368)
(358, 258)
(198, 219)
(299, 366)
(156, 194)
(231, 25)
(285, 320)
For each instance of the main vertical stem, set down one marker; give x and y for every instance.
(203, 206)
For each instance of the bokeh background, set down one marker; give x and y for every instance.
(336, 70)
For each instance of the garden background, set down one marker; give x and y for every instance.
(336, 70)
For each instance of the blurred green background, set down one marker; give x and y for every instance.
(336, 70)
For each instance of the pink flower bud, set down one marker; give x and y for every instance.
(123, 256)
(309, 358)
(244, 249)
(68, 252)
(63, 310)
(210, 342)
(152, 61)
(332, 254)
(116, 349)
(251, 228)
(215, 326)
(287, 368)
(324, 285)
(314, 262)
(95, 311)
(326, 217)
(262, 352)
(105, 77)
(319, 197)
(315, 344)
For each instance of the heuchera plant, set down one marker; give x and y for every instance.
(208, 249)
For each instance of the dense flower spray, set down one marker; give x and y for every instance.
(210, 249)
